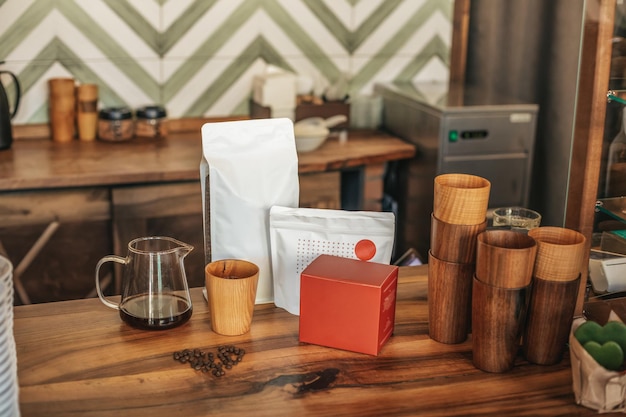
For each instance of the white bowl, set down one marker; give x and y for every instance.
(309, 143)
(312, 132)
(309, 136)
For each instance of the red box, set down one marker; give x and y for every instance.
(347, 304)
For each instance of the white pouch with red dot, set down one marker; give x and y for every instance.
(299, 235)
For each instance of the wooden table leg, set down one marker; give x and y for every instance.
(28, 259)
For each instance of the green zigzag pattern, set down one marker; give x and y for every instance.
(162, 42)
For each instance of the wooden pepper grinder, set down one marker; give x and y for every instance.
(87, 111)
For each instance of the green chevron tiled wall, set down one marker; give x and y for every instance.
(198, 57)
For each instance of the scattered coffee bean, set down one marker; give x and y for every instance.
(227, 355)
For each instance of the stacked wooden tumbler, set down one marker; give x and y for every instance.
(501, 291)
(556, 281)
(459, 216)
(72, 108)
(508, 288)
(525, 291)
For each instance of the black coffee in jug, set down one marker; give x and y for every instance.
(6, 114)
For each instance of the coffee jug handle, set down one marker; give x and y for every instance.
(18, 93)
(109, 258)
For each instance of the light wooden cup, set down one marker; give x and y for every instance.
(559, 253)
(87, 111)
(461, 198)
(62, 108)
(231, 290)
(454, 242)
(505, 258)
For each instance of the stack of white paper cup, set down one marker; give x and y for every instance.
(9, 388)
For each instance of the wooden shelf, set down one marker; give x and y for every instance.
(43, 164)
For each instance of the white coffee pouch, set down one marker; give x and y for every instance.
(248, 166)
(299, 235)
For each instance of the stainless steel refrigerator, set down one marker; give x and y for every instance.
(530, 50)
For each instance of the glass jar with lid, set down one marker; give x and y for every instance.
(115, 124)
(151, 122)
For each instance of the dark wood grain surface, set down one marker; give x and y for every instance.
(41, 163)
(79, 358)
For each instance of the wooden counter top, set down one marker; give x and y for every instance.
(41, 163)
(79, 358)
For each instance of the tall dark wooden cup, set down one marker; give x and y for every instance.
(498, 316)
(454, 242)
(550, 316)
(449, 300)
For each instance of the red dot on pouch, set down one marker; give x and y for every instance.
(365, 249)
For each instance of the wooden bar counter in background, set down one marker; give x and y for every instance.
(43, 164)
(82, 200)
(78, 358)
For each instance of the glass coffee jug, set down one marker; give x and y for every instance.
(155, 294)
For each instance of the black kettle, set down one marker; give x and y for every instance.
(6, 136)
